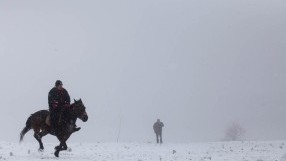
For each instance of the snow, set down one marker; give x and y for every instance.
(216, 151)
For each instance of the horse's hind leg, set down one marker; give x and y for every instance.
(38, 136)
(42, 134)
(39, 139)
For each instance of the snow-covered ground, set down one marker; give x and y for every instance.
(219, 151)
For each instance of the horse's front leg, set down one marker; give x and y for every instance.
(62, 146)
(58, 149)
(65, 147)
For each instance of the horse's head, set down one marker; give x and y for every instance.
(79, 110)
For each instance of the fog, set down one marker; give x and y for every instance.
(197, 65)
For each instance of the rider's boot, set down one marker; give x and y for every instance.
(76, 128)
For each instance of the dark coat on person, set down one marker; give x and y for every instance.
(158, 127)
(58, 98)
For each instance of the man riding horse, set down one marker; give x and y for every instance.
(63, 116)
(59, 99)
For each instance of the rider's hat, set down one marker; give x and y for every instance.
(58, 82)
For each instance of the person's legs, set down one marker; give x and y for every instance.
(157, 137)
(161, 138)
(54, 118)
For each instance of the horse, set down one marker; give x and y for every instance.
(37, 122)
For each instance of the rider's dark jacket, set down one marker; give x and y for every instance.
(58, 98)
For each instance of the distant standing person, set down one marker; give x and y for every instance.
(158, 130)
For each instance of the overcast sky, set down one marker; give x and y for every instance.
(196, 65)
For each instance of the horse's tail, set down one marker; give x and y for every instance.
(27, 128)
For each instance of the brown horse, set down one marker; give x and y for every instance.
(37, 122)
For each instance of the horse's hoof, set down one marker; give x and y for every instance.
(41, 150)
(57, 153)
